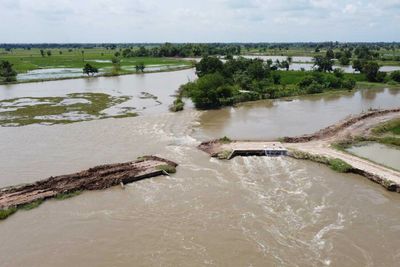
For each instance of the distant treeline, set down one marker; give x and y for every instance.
(318, 45)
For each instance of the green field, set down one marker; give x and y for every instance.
(25, 60)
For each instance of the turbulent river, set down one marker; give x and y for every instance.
(245, 212)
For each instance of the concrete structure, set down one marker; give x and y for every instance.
(270, 149)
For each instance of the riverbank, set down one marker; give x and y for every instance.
(28, 196)
(318, 147)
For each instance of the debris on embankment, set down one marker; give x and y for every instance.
(96, 178)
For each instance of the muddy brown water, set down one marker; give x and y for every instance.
(245, 212)
(383, 154)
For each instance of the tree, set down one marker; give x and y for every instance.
(285, 65)
(42, 52)
(323, 63)
(140, 67)
(89, 69)
(343, 60)
(395, 76)
(116, 65)
(7, 73)
(371, 70)
(330, 54)
(209, 90)
(208, 65)
(48, 52)
(358, 65)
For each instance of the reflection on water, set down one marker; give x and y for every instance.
(269, 119)
(383, 154)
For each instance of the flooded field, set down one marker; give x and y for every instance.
(383, 154)
(306, 63)
(138, 94)
(244, 212)
(57, 73)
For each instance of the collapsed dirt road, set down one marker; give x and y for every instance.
(319, 145)
(96, 178)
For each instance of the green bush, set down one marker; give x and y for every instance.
(349, 83)
(314, 88)
(395, 76)
(225, 140)
(177, 105)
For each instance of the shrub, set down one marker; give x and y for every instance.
(395, 76)
(314, 88)
(177, 105)
(225, 140)
(348, 83)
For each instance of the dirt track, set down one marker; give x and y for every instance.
(320, 144)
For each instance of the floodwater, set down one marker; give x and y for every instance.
(54, 73)
(57, 73)
(380, 153)
(162, 85)
(245, 212)
(268, 119)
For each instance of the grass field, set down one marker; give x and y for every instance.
(25, 60)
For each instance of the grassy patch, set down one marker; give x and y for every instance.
(392, 126)
(7, 212)
(25, 60)
(31, 205)
(339, 165)
(167, 168)
(60, 110)
(62, 196)
(335, 164)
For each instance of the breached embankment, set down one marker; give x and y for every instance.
(96, 178)
(318, 147)
(335, 129)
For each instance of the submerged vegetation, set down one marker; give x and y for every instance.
(167, 168)
(55, 110)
